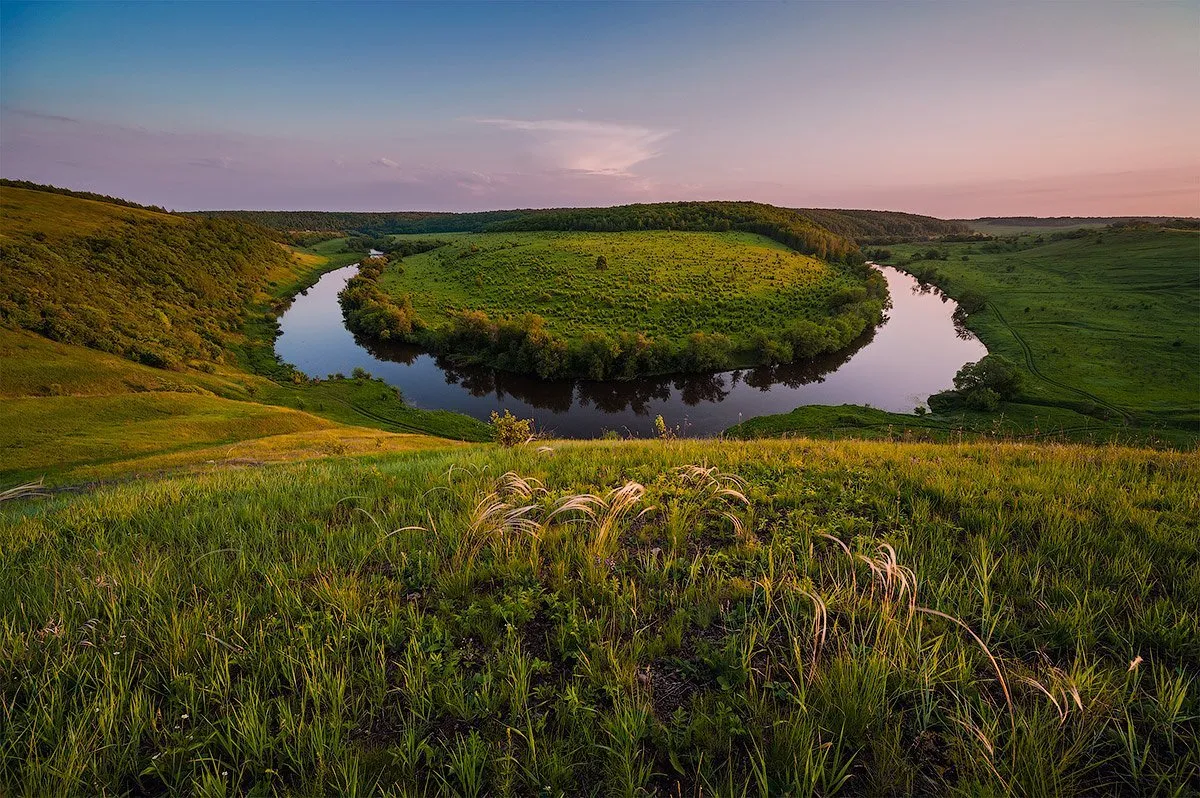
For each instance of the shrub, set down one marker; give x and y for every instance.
(508, 430)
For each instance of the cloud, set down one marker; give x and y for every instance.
(386, 163)
(223, 162)
(600, 148)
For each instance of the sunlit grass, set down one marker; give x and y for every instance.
(807, 618)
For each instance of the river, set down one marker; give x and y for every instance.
(914, 353)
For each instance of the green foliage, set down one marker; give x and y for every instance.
(993, 372)
(508, 430)
(534, 303)
(156, 289)
(424, 625)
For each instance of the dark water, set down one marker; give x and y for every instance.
(915, 353)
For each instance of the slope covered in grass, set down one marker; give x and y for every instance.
(159, 289)
(1101, 320)
(845, 618)
(68, 413)
(101, 300)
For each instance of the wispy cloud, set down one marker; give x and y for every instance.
(387, 163)
(602, 148)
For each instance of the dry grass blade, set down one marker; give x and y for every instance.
(513, 484)
(995, 665)
(23, 491)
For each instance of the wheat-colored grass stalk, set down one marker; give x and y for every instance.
(23, 491)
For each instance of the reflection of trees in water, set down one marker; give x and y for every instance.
(396, 353)
(616, 396)
(611, 396)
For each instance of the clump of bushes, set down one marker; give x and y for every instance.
(508, 430)
(981, 385)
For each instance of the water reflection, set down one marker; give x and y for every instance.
(915, 353)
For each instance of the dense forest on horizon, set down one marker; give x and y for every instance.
(807, 227)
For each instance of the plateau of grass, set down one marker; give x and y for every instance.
(686, 617)
(1103, 321)
(663, 284)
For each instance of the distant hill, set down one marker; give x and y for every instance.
(811, 230)
(1013, 225)
(883, 227)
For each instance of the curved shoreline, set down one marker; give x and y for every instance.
(914, 354)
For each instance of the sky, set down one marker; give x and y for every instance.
(952, 109)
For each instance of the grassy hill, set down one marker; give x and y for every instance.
(808, 618)
(128, 336)
(616, 304)
(1101, 322)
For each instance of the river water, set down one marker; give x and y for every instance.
(914, 353)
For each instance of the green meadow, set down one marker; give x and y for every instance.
(1099, 318)
(662, 284)
(614, 305)
(1102, 324)
(696, 618)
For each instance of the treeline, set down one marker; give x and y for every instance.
(368, 223)
(780, 224)
(87, 195)
(162, 291)
(884, 227)
(524, 345)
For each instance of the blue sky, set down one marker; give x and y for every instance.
(946, 108)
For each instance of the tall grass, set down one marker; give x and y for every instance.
(613, 618)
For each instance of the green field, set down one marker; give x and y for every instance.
(1102, 323)
(423, 625)
(1106, 320)
(661, 284)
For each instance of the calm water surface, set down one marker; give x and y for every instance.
(915, 353)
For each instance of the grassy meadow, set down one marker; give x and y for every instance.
(687, 617)
(662, 284)
(1103, 319)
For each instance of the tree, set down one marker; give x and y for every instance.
(987, 381)
(601, 263)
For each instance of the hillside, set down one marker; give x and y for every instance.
(846, 618)
(158, 289)
(128, 336)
